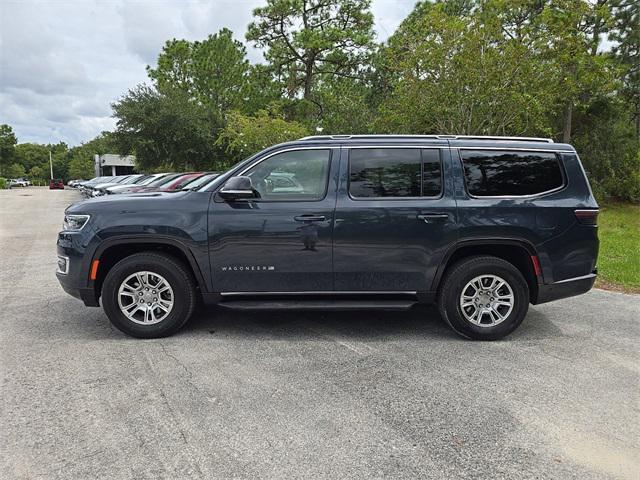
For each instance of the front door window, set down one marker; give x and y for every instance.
(297, 175)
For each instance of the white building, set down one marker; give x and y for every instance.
(111, 164)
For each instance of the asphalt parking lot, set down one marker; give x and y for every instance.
(303, 395)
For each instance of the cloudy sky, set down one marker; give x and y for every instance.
(63, 62)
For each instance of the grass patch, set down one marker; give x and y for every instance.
(619, 258)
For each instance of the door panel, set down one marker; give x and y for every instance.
(274, 244)
(391, 244)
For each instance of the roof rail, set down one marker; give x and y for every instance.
(439, 137)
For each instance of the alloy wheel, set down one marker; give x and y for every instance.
(487, 300)
(145, 298)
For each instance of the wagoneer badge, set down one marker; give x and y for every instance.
(248, 268)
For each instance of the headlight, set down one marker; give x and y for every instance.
(74, 222)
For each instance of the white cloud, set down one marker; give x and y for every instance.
(62, 63)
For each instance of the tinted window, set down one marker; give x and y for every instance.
(497, 173)
(294, 175)
(394, 172)
(431, 173)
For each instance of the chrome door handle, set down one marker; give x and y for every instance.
(432, 217)
(309, 218)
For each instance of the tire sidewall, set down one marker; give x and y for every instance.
(176, 318)
(459, 280)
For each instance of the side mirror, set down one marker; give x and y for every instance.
(236, 188)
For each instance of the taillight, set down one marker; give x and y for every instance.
(587, 217)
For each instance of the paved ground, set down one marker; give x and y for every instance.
(371, 395)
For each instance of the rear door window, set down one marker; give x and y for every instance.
(394, 172)
(493, 173)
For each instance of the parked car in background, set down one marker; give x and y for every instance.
(161, 180)
(101, 189)
(56, 184)
(116, 189)
(175, 184)
(24, 181)
(118, 179)
(98, 189)
(479, 226)
(197, 182)
(73, 183)
(14, 182)
(85, 186)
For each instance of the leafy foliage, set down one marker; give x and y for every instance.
(461, 75)
(309, 42)
(214, 72)
(14, 170)
(244, 135)
(166, 129)
(7, 146)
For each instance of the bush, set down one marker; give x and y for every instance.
(3, 183)
(245, 135)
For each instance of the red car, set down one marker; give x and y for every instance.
(56, 184)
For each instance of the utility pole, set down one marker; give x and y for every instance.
(51, 164)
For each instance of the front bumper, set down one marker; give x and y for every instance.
(87, 295)
(565, 288)
(76, 279)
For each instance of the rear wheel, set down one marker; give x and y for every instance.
(149, 295)
(483, 298)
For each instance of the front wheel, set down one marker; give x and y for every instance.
(483, 298)
(149, 295)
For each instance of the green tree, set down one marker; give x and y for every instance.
(306, 40)
(14, 170)
(8, 142)
(347, 107)
(36, 173)
(626, 35)
(244, 135)
(609, 149)
(460, 74)
(214, 71)
(81, 157)
(569, 34)
(166, 129)
(33, 154)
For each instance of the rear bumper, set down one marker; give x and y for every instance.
(565, 288)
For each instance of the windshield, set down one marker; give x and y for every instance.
(149, 179)
(199, 181)
(101, 180)
(165, 179)
(121, 180)
(131, 179)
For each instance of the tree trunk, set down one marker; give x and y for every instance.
(308, 77)
(566, 130)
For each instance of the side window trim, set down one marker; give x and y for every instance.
(328, 148)
(439, 148)
(557, 153)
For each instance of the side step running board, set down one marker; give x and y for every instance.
(318, 304)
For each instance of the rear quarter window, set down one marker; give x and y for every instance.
(493, 173)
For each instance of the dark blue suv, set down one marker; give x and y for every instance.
(481, 226)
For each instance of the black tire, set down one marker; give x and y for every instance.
(173, 271)
(457, 277)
